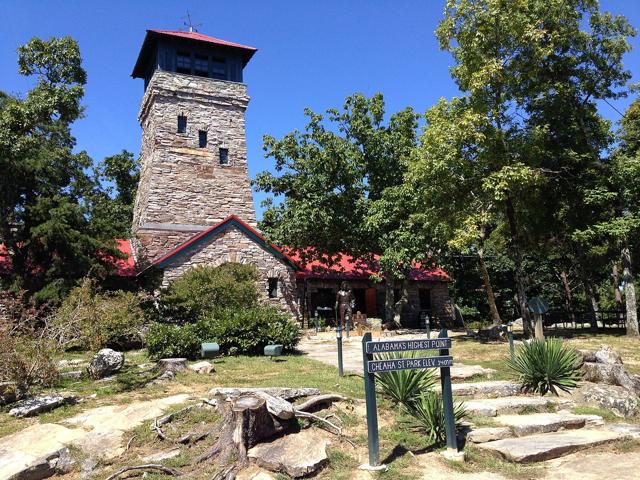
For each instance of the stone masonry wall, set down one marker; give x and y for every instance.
(232, 245)
(181, 185)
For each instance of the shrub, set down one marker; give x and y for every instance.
(428, 414)
(203, 290)
(545, 366)
(92, 319)
(243, 331)
(404, 386)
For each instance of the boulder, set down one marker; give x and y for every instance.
(619, 400)
(488, 434)
(608, 355)
(587, 355)
(610, 374)
(203, 367)
(174, 365)
(298, 455)
(106, 362)
(35, 405)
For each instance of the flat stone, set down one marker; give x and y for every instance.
(164, 455)
(253, 472)
(492, 388)
(203, 367)
(488, 434)
(35, 405)
(490, 407)
(280, 392)
(106, 362)
(540, 447)
(463, 372)
(625, 428)
(72, 375)
(618, 400)
(172, 364)
(298, 454)
(541, 422)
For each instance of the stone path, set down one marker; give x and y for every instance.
(97, 431)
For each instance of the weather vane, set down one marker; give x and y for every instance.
(189, 23)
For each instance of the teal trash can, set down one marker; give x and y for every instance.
(209, 350)
(273, 350)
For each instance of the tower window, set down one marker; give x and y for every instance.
(218, 68)
(224, 156)
(183, 62)
(272, 287)
(202, 138)
(182, 124)
(201, 66)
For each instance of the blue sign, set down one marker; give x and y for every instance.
(538, 305)
(406, 345)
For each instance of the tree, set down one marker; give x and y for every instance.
(46, 190)
(340, 187)
(533, 72)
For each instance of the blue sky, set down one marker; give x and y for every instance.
(311, 53)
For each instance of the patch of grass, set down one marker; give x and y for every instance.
(480, 421)
(627, 445)
(478, 460)
(341, 465)
(607, 415)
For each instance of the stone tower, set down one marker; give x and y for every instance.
(193, 170)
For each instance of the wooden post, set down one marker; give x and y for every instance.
(447, 400)
(372, 409)
(539, 330)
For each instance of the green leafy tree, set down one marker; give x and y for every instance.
(339, 186)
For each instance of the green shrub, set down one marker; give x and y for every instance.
(92, 319)
(203, 290)
(428, 415)
(242, 331)
(404, 386)
(545, 366)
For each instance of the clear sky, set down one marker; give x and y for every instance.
(310, 53)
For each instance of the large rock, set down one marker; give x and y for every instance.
(495, 388)
(608, 355)
(298, 455)
(610, 374)
(174, 365)
(619, 400)
(105, 362)
(35, 405)
(203, 367)
(488, 434)
(490, 407)
(523, 425)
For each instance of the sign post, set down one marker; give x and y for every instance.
(339, 340)
(371, 366)
(510, 338)
(538, 306)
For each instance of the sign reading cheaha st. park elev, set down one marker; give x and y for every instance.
(379, 366)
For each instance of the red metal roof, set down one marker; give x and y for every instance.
(202, 38)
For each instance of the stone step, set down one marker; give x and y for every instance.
(523, 425)
(488, 434)
(488, 389)
(490, 407)
(545, 446)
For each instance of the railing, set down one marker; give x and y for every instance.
(581, 319)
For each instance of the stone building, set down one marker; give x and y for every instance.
(194, 204)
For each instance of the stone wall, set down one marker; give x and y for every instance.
(181, 185)
(232, 245)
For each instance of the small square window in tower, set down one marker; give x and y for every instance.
(224, 156)
(182, 124)
(183, 62)
(202, 138)
(201, 66)
(218, 68)
(272, 287)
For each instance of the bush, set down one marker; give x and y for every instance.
(404, 386)
(243, 331)
(203, 290)
(544, 366)
(428, 414)
(92, 319)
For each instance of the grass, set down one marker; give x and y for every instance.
(478, 460)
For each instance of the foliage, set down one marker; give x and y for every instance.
(238, 331)
(428, 414)
(93, 319)
(404, 386)
(46, 189)
(203, 290)
(545, 366)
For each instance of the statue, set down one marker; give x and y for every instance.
(345, 302)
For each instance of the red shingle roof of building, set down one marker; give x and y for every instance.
(200, 37)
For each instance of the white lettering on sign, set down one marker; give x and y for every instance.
(378, 366)
(406, 345)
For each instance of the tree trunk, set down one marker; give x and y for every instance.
(615, 283)
(568, 296)
(629, 293)
(592, 300)
(388, 300)
(402, 301)
(486, 280)
(518, 274)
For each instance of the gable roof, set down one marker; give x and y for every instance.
(229, 222)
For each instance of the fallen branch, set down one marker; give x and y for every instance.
(129, 442)
(169, 418)
(300, 414)
(319, 400)
(149, 466)
(158, 430)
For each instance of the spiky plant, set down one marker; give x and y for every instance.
(428, 415)
(404, 386)
(546, 366)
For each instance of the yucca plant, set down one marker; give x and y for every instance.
(546, 366)
(428, 415)
(404, 386)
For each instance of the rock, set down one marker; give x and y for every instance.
(203, 367)
(71, 363)
(627, 429)
(298, 455)
(462, 372)
(523, 425)
(490, 407)
(105, 362)
(44, 467)
(66, 463)
(608, 355)
(164, 455)
(72, 375)
(280, 392)
(253, 472)
(9, 393)
(619, 400)
(587, 355)
(174, 365)
(488, 434)
(490, 389)
(545, 446)
(611, 374)
(35, 405)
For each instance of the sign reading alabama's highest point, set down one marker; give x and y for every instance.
(406, 345)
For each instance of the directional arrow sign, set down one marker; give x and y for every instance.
(406, 345)
(379, 366)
